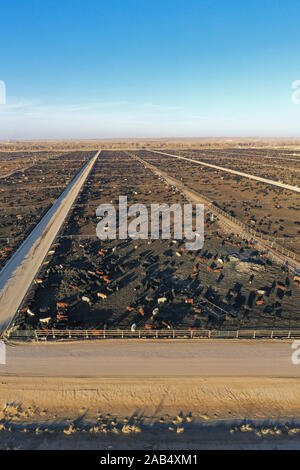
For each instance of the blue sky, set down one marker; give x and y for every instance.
(149, 68)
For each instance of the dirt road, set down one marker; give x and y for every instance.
(148, 358)
(19, 272)
(82, 395)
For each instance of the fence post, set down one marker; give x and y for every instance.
(272, 334)
(289, 335)
(173, 334)
(254, 334)
(237, 333)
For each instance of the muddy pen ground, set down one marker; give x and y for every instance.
(86, 283)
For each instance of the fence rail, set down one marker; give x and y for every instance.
(52, 334)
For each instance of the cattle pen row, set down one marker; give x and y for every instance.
(273, 250)
(52, 334)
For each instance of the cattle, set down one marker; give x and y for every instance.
(73, 287)
(197, 310)
(280, 286)
(59, 316)
(45, 320)
(129, 308)
(24, 310)
(261, 291)
(101, 295)
(62, 304)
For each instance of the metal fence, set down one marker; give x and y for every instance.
(52, 334)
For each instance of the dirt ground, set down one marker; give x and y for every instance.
(150, 395)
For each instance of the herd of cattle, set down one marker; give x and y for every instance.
(86, 283)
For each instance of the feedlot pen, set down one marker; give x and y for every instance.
(88, 288)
